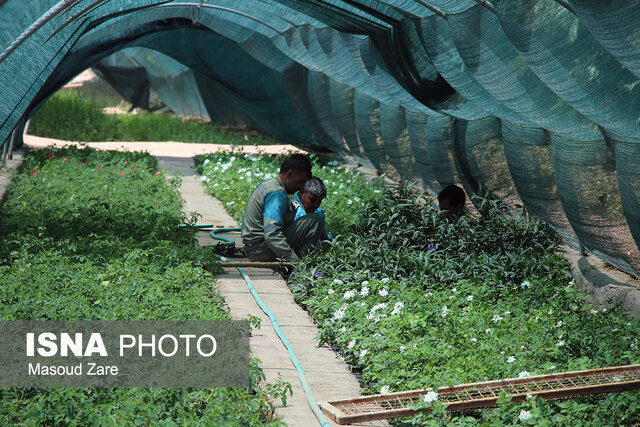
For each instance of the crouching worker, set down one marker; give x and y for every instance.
(451, 200)
(307, 202)
(269, 231)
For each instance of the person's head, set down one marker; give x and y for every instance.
(451, 199)
(294, 172)
(313, 193)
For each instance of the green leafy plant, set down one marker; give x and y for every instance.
(412, 299)
(94, 235)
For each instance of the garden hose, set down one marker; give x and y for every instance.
(301, 376)
(225, 240)
(196, 225)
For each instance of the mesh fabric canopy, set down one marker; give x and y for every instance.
(536, 101)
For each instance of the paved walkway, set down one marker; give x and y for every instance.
(164, 149)
(328, 376)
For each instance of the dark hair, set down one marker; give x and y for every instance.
(314, 185)
(454, 194)
(298, 163)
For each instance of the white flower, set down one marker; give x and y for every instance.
(428, 294)
(383, 292)
(384, 389)
(525, 415)
(397, 308)
(339, 314)
(349, 201)
(206, 162)
(375, 308)
(560, 344)
(473, 339)
(617, 379)
(511, 359)
(349, 294)
(343, 329)
(331, 292)
(470, 298)
(363, 353)
(551, 368)
(525, 284)
(364, 291)
(351, 344)
(486, 331)
(497, 318)
(506, 313)
(365, 283)
(523, 374)
(402, 348)
(338, 281)
(454, 290)
(432, 396)
(559, 324)
(445, 311)
(203, 178)
(385, 280)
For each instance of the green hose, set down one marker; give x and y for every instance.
(303, 379)
(225, 240)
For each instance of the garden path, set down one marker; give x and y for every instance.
(328, 376)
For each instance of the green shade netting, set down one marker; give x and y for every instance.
(526, 99)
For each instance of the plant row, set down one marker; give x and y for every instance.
(69, 116)
(411, 299)
(94, 235)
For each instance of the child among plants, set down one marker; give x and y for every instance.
(309, 199)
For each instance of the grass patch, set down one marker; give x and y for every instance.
(93, 235)
(411, 300)
(69, 116)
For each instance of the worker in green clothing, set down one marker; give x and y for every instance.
(269, 231)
